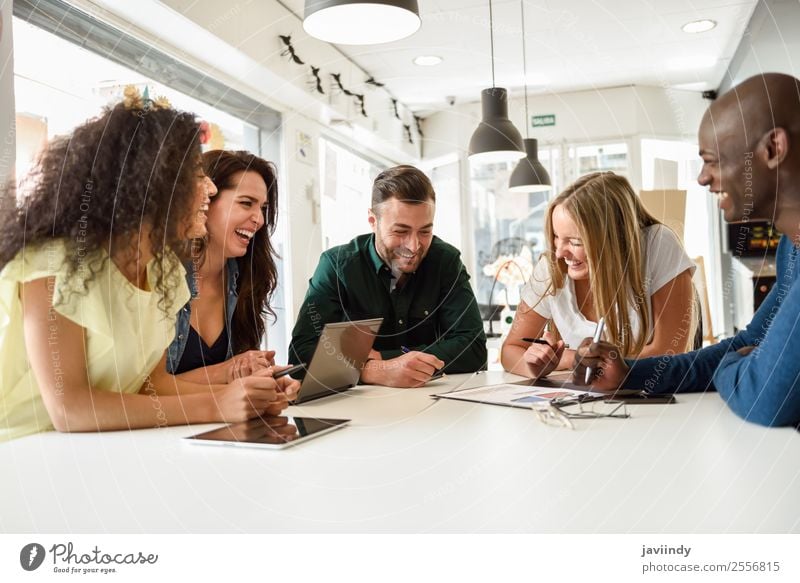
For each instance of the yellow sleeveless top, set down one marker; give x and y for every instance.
(126, 329)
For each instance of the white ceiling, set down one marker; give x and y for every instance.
(571, 45)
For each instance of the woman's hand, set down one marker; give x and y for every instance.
(286, 384)
(250, 396)
(248, 363)
(542, 359)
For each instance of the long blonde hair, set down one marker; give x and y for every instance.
(610, 220)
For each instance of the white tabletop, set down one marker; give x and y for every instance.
(409, 463)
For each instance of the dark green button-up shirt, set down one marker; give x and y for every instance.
(434, 311)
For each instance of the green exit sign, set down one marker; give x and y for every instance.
(540, 121)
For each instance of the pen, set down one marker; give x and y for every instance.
(290, 370)
(598, 333)
(541, 341)
(537, 341)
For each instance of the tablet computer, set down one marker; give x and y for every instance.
(340, 355)
(268, 432)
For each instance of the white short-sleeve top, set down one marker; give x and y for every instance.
(665, 259)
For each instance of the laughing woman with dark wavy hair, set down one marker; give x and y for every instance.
(232, 274)
(91, 281)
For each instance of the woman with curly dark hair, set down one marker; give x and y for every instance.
(232, 274)
(90, 281)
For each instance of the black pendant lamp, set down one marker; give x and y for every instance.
(529, 175)
(496, 139)
(356, 22)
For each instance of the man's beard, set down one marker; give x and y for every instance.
(395, 257)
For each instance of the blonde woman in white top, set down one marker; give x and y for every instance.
(607, 257)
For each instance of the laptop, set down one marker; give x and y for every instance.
(340, 354)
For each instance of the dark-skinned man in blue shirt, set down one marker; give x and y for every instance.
(750, 145)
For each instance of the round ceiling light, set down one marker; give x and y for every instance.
(427, 60)
(355, 22)
(696, 26)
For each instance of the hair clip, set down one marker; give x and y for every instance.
(133, 100)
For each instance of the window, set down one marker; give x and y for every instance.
(585, 159)
(507, 227)
(346, 193)
(73, 83)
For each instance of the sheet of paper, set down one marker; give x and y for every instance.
(514, 395)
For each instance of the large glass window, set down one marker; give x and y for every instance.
(72, 84)
(585, 159)
(509, 233)
(447, 224)
(346, 192)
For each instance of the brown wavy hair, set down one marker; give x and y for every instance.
(94, 188)
(258, 272)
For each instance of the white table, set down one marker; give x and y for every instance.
(409, 463)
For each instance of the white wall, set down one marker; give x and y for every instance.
(7, 109)
(581, 116)
(301, 207)
(771, 43)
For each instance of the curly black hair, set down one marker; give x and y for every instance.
(258, 272)
(95, 188)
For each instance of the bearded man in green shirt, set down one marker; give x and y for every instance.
(403, 273)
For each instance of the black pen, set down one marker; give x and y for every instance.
(537, 341)
(290, 370)
(542, 341)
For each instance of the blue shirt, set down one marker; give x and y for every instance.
(176, 349)
(762, 387)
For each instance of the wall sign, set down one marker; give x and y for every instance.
(540, 121)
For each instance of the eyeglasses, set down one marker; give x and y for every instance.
(589, 407)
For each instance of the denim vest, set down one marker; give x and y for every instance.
(175, 350)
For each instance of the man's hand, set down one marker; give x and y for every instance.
(609, 370)
(745, 350)
(413, 369)
(542, 359)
